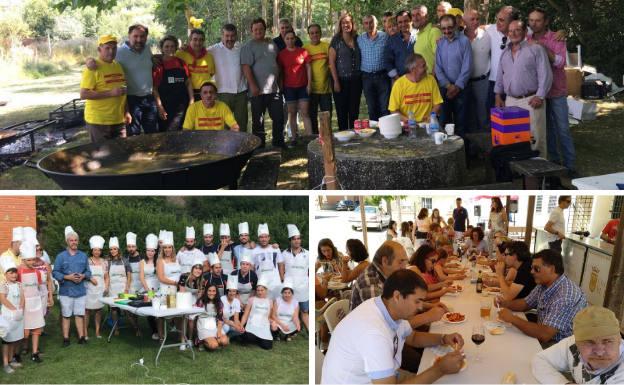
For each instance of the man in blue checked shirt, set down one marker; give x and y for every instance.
(556, 298)
(452, 69)
(375, 81)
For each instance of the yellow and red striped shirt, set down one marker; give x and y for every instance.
(199, 117)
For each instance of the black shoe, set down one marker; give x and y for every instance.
(35, 358)
(65, 342)
(82, 341)
(17, 358)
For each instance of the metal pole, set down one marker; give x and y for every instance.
(364, 225)
(529, 223)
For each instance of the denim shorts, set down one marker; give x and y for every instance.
(304, 306)
(294, 94)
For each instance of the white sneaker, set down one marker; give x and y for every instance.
(182, 347)
(155, 337)
(15, 364)
(8, 369)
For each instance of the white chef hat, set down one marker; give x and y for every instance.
(232, 283)
(160, 235)
(198, 261)
(243, 228)
(213, 259)
(69, 231)
(224, 230)
(28, 250)
(246, 256)
(131, 239)
(151, 241)
(293, 231)
(96, 242)
(7, 263)
(18, 234)
(190, 232)
(208, 229)
(264, 281)
(167, 238)
(113, 242)
(263, 228)
(30, 234)
(288, 283)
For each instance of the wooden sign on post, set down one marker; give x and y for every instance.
(327, 145)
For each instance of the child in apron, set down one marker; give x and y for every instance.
(231, 310)
(95, 291)
(257, 318)
(147, 277)
(30, 278)
(210, 323)
(285, 320)
(12, 301)
(216, 274)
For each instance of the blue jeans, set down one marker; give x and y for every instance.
(558, 132)
(453, 111)
(376, 87)
(144, 115)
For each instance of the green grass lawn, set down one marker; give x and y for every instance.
(102, 362)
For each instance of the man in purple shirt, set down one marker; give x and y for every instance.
(558, 128)
(452, 69)
(525, 77)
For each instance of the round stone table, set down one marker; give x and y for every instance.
(403, 163)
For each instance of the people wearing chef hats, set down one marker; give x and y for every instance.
(31, 279)
(189, 253)
(216, 276)
(192, 282)
(134, 259)
(97, 285)
(148, 278)
(268, 261)
(168, 272)
(257, 316)
(285, 318)
(12, 253)
(71, 270)
(12, 311)
(296, 268)
(225, 249)
(120, 279)
(243, 242)
(246, 278)
(232, 310)
(209, 246)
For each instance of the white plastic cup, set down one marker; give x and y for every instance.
(450, 129)
(439, 137)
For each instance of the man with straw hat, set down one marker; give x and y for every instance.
(71, 269)
(189, 253)
(593, 354)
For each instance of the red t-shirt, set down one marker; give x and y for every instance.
(611, 228)
(293, 66)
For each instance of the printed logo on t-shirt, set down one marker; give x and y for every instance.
(318, 56)
(210, 122)
(421, 98)
(114, 78)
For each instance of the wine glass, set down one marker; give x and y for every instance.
(478, 337)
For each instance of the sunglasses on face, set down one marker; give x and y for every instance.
(536, 269)
(504, 43)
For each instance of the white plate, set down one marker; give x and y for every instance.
(344, 136)
(453, 322)
(366, 132)
(491, 325)
(490, 292)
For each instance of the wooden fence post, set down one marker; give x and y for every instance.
(327, 147)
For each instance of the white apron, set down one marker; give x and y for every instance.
(244, 289)
(172, 272)
(43, 288)
(258, 323)
(14, 318)
(149, 272)
(267, 270)
(298, 272)
(135, 284)
(207, 323)
(226, 262)
(118, 279)
(95, 292)
(33, 312)
(285, 313)
(219, 282)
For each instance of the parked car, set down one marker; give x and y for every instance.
(375, 218)
(345, 205)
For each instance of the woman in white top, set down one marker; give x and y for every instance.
(210, 323)
(285, 318)
(498, 217)
(149, 279)
(423, 222)
(168, 271)
(405, 239)
(257, 318)
(99, 271)
(232, 310)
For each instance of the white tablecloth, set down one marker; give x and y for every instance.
(599, 182)
(512, 351)
(149, 311)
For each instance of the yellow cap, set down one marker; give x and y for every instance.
(107, 39)
(594, 322)
(455, 12)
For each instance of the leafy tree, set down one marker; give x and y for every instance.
(40, 17)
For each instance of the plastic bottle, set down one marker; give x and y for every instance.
(479, 283)
(434, 125)
(411, 124)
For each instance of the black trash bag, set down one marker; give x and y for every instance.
(502, 155)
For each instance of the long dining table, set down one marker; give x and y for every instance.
(511, 351)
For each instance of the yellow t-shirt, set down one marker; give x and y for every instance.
(418, 97)
(426, 44)
(320, 70)
(202, 69)
(107, 111)
(198, 117)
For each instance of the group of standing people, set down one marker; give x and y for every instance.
(249, 290)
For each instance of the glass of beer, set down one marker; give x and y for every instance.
(486, 307)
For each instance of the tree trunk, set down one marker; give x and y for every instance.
(264, 10)
(228, 6)
(276, 16)
(294, 15)
(308, 13)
